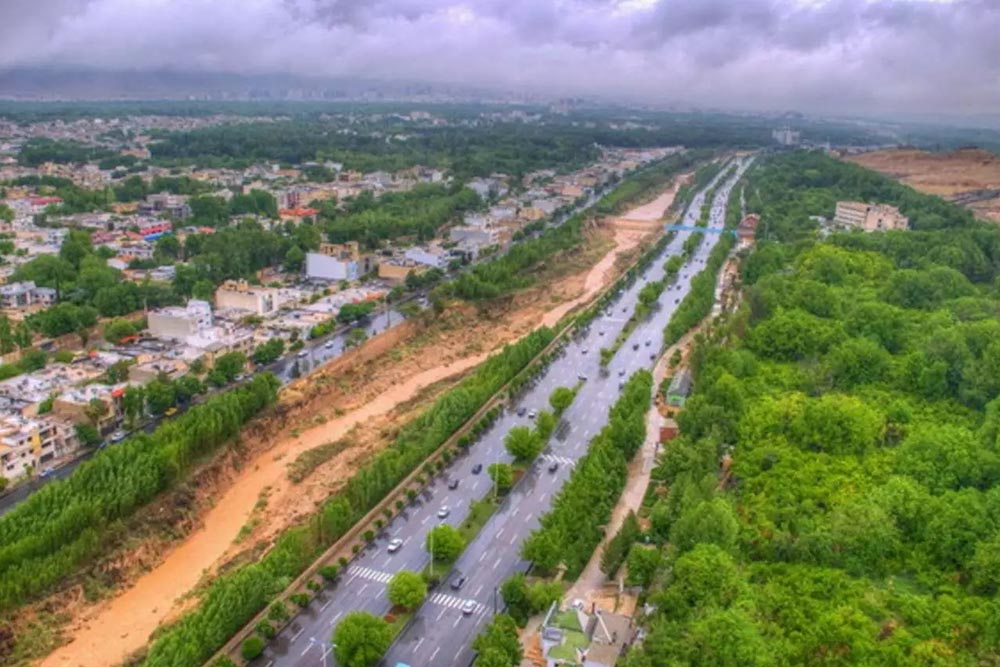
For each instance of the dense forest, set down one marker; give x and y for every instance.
(856, 392)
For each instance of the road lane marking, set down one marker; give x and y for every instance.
(362, 591)
(457, 621)
(326, 604)
(478, 591)
(306, 649)
(296, 635)
(417, 647)
(441, 614)
(528, 518)
(497, 564)
(513, 538)
(434, 654)
(482, 556)
(369, 573)
(499, 533)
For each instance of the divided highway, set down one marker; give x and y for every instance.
(440, 633)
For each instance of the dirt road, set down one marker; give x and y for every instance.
(112, 630)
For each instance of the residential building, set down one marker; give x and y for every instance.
(339, 261)
(239, 294)
(174, 205)
(433, 257)
(398, 269)
(176, 323)
(869, 217)
(28, 444)
(23, 294)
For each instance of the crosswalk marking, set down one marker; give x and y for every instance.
(558, 459)
(453, 602)
(368, 573)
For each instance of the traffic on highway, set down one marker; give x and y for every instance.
(441, 632)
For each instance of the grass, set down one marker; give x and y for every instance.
(572, 640)
(567, 620)
(306, 462)
(399, 621)
(479, 513)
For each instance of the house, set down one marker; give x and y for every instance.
(23, 294)
(174, 205)
(239, 294)
(433, 257)
(575, 637)
(28, 444)
(339, 261)
(176, 323)
(747, 230)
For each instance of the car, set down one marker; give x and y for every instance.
(532, 414)
(521, 411)
(621, 384)
(624, 309)
(457, 582)
(648, 342)
(677, 300)
(118, 436)
(476, 469)
(585, 350)
(621, 372)
(328, 344)
(468, 607)
(443, 512)
(553, 466)
(600, 333)
(453, 484)
(394, 545)
(46, 472)
(171, 411)
(652, 357)
(635, 346)
(581, 377)
(302, 354)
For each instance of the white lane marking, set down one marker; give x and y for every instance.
(434, 654)
(496, 564)
(478, 591)
(417, 647)
(528, 518)
(499, 533)
(296, 635)
(369, 573)
(513, 538)
(475, 484)
(326, 604)
(544, 496)
(306, 649)
(457, 621)
(362, 591)
(482, 556)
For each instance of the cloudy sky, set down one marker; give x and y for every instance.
(813, 55)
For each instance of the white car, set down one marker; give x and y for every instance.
(443, 512)
(468, 607)
(394, 545)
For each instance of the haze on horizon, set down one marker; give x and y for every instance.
(832, 56)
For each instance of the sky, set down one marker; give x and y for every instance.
(841, 56)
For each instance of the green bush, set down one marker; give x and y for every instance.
(252, 647)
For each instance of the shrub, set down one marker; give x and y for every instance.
(252, 647)
(329, 572)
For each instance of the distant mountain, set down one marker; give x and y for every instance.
(49, 84)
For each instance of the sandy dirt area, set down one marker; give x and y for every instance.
(108, 632)
(970, 177)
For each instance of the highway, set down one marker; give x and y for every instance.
(440, 634)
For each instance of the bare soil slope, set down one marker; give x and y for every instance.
(970, 177)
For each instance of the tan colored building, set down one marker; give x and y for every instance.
(398, 269)
(869, 217)
(239, 294)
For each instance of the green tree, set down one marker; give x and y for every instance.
(294, 259)
(709, 522)
(361, 639)
(561, 398)
(502, 476)
(500, 637)
(407, 589)
(445, 543)
(522, 443)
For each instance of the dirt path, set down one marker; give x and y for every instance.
(156, 596)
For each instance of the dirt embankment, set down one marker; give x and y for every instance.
(969, 177)
(366, 399)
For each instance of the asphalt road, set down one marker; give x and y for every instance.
(440, 634)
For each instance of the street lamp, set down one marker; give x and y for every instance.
(325, 647)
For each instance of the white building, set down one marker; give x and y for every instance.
(435, 258)
(176, 323)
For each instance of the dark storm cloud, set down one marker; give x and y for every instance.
(832, 55)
